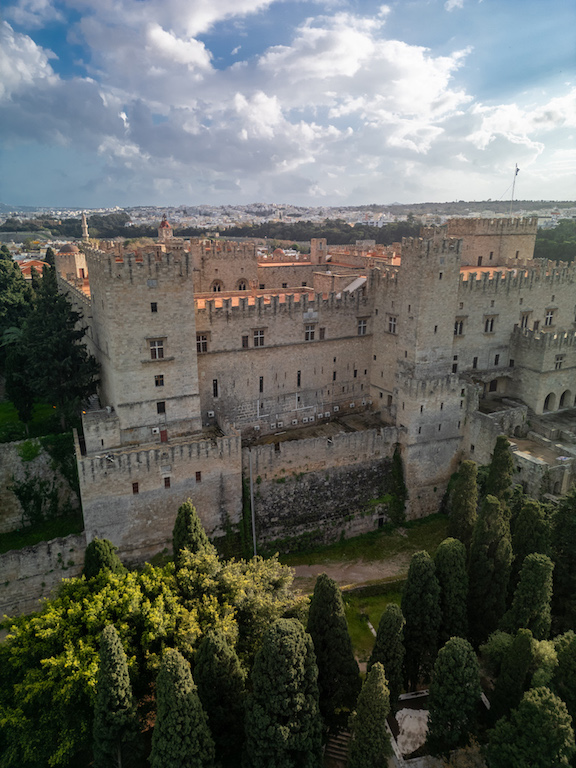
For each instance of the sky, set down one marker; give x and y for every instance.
(336, 102)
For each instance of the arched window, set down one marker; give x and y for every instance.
(550, 402)
(566, 399)
(242, 285)
(217, 286)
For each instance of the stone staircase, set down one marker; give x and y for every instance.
(336, 750)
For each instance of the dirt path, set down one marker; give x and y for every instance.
(353, 572)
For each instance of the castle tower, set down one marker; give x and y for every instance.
(85, 236)
(164, 230)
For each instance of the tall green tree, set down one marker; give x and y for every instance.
(454, 695)
(532, 532)
(537, 735)
(188, 533)
(370, 740)
(463, 503)
(565, 672)
(501, 470)
(513, 678)
(49, 257)
(452, 575)
(181, 734)
(531, 604)
(115, 721)
(488, 570)
(421, 609)
(338, 672)
(389, 650)
(60, 369)
(101, 555)
(564, 555)
(221, 682)
(283, 723)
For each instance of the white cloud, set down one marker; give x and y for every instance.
(449, 5)
(33, 13)
(22, 62)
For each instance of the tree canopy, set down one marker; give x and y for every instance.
(370, 739)
(421, 609)
(389, 650)
(463, 502)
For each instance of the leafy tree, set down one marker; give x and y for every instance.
(18, 386)
(421, 609)
(564, 555)
(101, 555)
(565, 672)
(501, 470)
(389, 650)
(532, 533)
(115, 721)
(531, 603)
(468, 757)
(494, 650)
(283, 724)
(514, 675)
(537, 735)
(60, 369)
(454, 696)
(489, 569)
(188, 532)
(15, 295)
(370, 740)
(463, 503)
(221, 686)
(338, 672)
(450, 562)
(181, 734)
(49, 257)
(397, 489)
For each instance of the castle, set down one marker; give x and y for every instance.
(289, 380)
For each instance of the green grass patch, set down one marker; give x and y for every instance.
(381, 544)
(360, 610)
(43, 422)
(44, 531)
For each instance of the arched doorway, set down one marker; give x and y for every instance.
(550, 402)
(566, 399)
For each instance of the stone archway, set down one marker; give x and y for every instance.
(566, 399)
(550, 402)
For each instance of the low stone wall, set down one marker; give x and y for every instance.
(27, 575)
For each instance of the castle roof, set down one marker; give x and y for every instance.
(68, 248)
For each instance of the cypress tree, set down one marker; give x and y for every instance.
(564, 555)
(450, 562)
(565, 673)
(370, 740)
(221, 687)
(463, 503)
(513, 677)
(338, 672)
(389, 650)
(489, 569)
(500, 470)
(531, 603)
(532, 531)
(181, 735)
(188, 532)
(454, 695)
(101, 555)
(421, 609)
(115, 721)
(538, 734)
(283, 723)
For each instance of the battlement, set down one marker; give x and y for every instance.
(537, 340)
(479, 227)
(436, 245)
(417, 388)
(226, 249)
(140, 264)
(493, 280)
(266, 304)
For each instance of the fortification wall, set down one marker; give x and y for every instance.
(29, 574)
(132, 497)
(223, 264)
(291, 275)
(494, 242)
(318, 489)
(13, 468)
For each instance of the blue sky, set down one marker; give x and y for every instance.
(170, 102)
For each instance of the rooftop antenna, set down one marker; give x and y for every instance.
(516, 169)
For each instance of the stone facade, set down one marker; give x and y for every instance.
(199, 360)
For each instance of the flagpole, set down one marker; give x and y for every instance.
(516, 169)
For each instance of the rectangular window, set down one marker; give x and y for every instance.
(322, 333)
(489, 325)
(156, 349)
(153, 307)
(198, 477)
(558, 362)
(362, 325)
(214, 387)
(391, 324)
(459, 328)
(355, 372)
(333, 375)
(491, 255)
(536, 325)
(284, 285)
(496, 360)
(135, 488)
(261, 385)
(524, 319)
(440, 276)
(201, 343)
(549, 320)
(244, 342)
(309, 332)
(261, 286)
(159, 381)
(299, 379)
(161, 407)
(166, 482)
(259, 338)
(475, 363)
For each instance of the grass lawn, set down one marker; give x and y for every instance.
(43, 422)
(382, 544)
(361, 609)
(50, 529)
